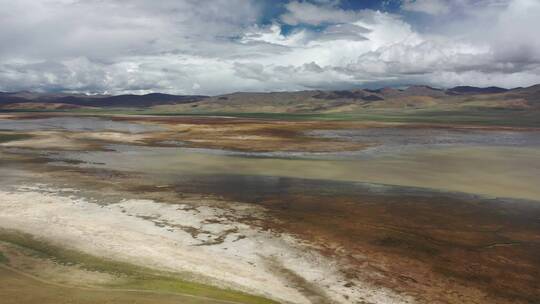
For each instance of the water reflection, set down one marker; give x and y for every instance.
(77, 124)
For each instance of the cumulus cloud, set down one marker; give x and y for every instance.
(186, 47)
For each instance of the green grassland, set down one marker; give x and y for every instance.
(6, 137)
(495, 117)
(3, 258)
(139, 278)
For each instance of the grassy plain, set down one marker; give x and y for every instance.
(130, 277)
(472, 116)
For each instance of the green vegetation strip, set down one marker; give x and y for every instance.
(473, 117)
(469, 115)
(3, 258)
(11, 137)
(139, 277)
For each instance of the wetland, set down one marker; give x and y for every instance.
(252, 210)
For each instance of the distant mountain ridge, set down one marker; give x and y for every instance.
(476, 90)
(315, 100)
(147, 100)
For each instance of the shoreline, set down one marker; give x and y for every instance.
(145, 233)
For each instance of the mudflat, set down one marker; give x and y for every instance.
(276, 210)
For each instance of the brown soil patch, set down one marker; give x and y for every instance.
(436, 247)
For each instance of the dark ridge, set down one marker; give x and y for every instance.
(153, 99)
(533, 88)
(531, 94)
(423, 91)
(347, 94)
(475, 90)
(372, 98)
(99, 100)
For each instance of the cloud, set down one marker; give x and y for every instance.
(186, 47)
(432, 7)
(314, 14)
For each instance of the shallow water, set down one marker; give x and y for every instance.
(75, 124)
(392, 140)
(493, 163)
(495, 171)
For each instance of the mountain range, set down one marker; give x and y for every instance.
(295, 102)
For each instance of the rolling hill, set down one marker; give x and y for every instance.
(147, 100)
(411, 99)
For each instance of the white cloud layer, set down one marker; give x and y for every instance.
(189, 47)
(433, 7)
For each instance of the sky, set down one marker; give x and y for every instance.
(215, 47)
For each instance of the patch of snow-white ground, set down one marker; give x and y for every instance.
(201, 240)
